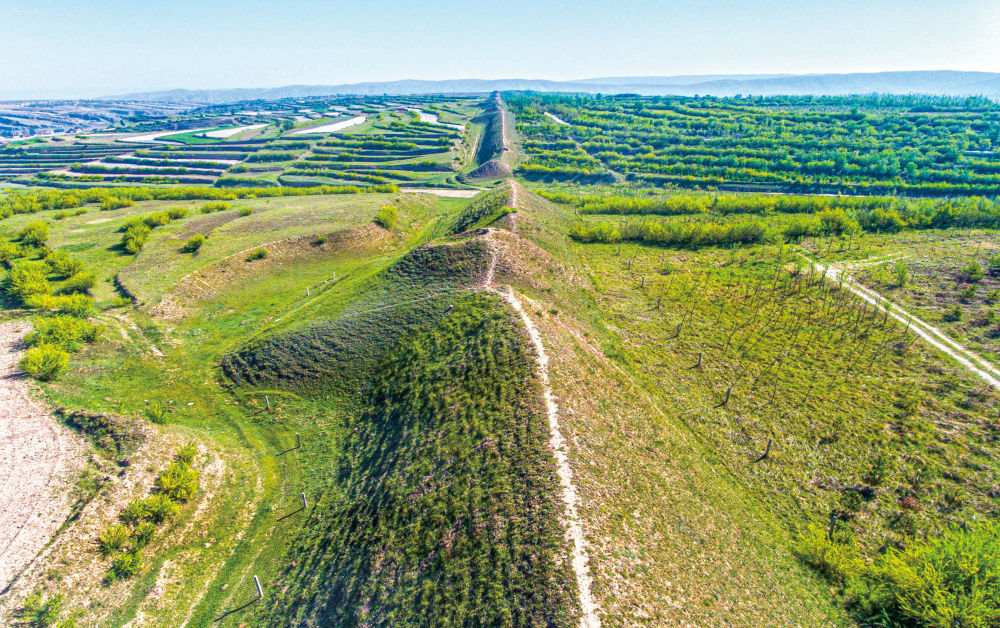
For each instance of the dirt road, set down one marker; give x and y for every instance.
(39, 458)
(973, 362)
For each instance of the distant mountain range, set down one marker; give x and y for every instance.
(941, 82)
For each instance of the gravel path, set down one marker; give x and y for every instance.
(38, 460)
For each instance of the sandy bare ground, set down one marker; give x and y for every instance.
(556, 119)
(39, 458)
(154, 138)
(333, 128)
(972, 361)
(224, 133)
(445, 192)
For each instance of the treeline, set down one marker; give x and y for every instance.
(871, 213)
(18, 202)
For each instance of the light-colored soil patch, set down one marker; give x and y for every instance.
(333, 128)
(154, 138)
(556, 119)
(224, 133)
(39, 459)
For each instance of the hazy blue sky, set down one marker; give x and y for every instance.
(98, 47)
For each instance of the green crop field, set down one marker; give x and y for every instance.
(643, 361)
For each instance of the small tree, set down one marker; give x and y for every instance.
(35, 233)
(972, 273)
(902, 273)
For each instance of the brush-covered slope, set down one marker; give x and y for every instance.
(342, 351)
(444, 510)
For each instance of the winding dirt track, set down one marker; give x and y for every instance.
(38, 459)
(560, 451)
(972, 361)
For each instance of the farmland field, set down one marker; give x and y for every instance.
(635, 361)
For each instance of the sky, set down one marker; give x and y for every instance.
(74, 48)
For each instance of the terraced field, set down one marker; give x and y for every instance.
(309, 394)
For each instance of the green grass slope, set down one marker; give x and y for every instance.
(445, 509)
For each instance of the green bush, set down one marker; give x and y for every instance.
(837, 560)
(126, 565)
(62, 265)
(179, 482)
(41, 612)
(80, 305)
(193, 244)
(120, 301)
(35, 233)
(186, 454)
(257, 254)
(902, 273)
(952, 314)
(159, 508)
(113, 538)
(387, 217)
(134, 512)
(134, 238)
(156, 219)
(156, 413)
(143, 534)
(26, 280)
(113, 202)
(80, 283)
(246, 211)
(9, 251)
(176, 213)
(68, 333)
(950, 580)
(972, 273)
(216, 206)
(44, 361)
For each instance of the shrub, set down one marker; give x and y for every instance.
(120, 301)
(79, 305)
(387, 217)
(134, 512)
(126, 565)
(80, 283)
(65, 332)
(44, 362)
(179, 482)
(186, 454)
(902, 273)
(176, 213)
(952, 314)
(320, 240)
(40, 612)
(62, 265)
(838, 561)
(156, 219)
(972, 273)
(950, 580)
(9, 251)
(24, 281)
(216, 206)
(113, 202)
(159, 508)
(112, 539)
(143, 534)
(246, 211)
(134, 238)
(35, 233)
(257, 254)
(193, 244)
(156, 413)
